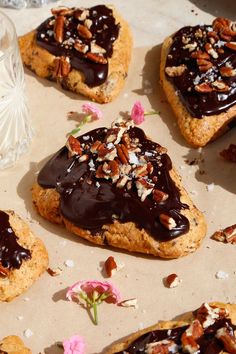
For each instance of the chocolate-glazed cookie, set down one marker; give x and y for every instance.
(198, 74)
(115, 186)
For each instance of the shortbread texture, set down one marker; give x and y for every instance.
(13, 345)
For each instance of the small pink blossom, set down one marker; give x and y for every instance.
(74, 345)
(91, 110)
(137, 113)
(93, 293)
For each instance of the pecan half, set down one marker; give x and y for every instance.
(199, 54)
(227, 235)
(224, 27)
(204, 65)
(190, 336)
(97, 58)
(122, 153)
(210, 50)
(59, 28)
(62, 67)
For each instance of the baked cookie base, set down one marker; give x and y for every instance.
(41, 62)
(126, 235)
(197, 131)
(13, 345)
(19, 280)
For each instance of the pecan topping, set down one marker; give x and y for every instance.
(204, 65)
(97, 58)
(203, 87)
(62, 67)
(228, 340)
(4, 272)
(74, 147)
(84, 32)
(59, 29)
(144, 188)
(190, 336)
(224, 27)
(227, 235)
(227, 71)
(231, 45)
(207, 314)
(173, 71)
(122, 153)
(110, 266)
(164, 346)
(82, 48)
(210, 50)
(167, 221)
(159, 196)
(220, 85)
(172, 280)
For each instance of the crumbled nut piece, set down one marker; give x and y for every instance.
(81, 47)
(144, 188)
(59, 28)
(54, 272)
(231, 45)
(164, 346)
(219, 85)
(226, 71)
(198, 54)
(203, 88)
(140, 171)
(129, 303)
(230, 153)
(167, 221)
(122, 181)
(228, 339)
(83, 158)
(190, 46)
(81, 14)
(172, 280)
(204, 65)
(104, 153)
(96, 48)
(110, 266)
(221, 275)
(74, 146)
(210, 50)
(173, 71)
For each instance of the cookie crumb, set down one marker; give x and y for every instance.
(69, 263)
(221, 275)
(28, 333)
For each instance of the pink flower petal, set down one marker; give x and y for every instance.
(74, 345)
(89, 108)
(137, 113)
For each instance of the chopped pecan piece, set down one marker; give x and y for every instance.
(231, 45)
(97, 58)
(96, 48)
(4, 272)
(228, 339)
(122, 181)
(210, 50)
(84, 32)
(230, 153)
(173, 71)
(110, 266)
(190, 336)
(220, 85)
(226, 71)
(207, 314)
(224, 27)
(96, 146)
(204, 65)
(198, 54)
(144, 188)
(159, 196)
(81, 47)
(59, 28)
(106, 153)
(167, 221)
(73, 145)
(227, 235)
(203, 88)
(140, 171)
(172, 280)
(62, 67)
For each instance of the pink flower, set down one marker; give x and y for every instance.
(91, 110)
(93, 293)
(74, 345)
(137, 113)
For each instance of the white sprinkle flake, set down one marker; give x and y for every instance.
(86, 137)
(221, 275)
(91, 165)
(28, 333)
(26, 299)
(98, 184)
(19, 318)
(69, 263)
(210, 187)
(141, 326)
(133, 160)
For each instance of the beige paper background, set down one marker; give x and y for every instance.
(46, 313)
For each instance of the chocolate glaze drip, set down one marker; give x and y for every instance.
(90, 202)
(104, 30)
(208, 343)
(11, 253)
(201, 104)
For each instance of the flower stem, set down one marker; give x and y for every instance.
(151, 113)
(95, 313)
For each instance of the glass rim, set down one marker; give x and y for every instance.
(12, 28)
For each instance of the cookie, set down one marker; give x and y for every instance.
(13, 345)
(87, 51)
(117, 187)
(210, 329)
(23, 257)
(198, 75)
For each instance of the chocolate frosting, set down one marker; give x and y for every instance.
(91, 202)
(208, 343)
(11, 253)
(104, 32)
(200, 104)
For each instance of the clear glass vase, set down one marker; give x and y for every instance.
(15, 125)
